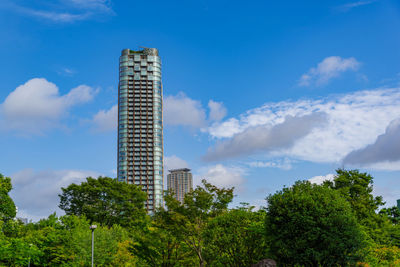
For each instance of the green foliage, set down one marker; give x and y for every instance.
(236, 238)
(66, 241)
(175, 236)
(123, 257)
(335, 224)
(18, 252)
(357, 188)
(156, 246)
(78, 246)
(106, 201)
(383, 256)
(393, 214)
(312, 225)
(13, 228)
(7, 206)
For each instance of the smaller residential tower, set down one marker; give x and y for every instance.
(180, 182)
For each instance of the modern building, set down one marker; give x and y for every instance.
(180, 182)
(140, 126)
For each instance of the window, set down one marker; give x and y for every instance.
(123, 58)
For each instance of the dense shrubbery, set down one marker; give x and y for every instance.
(337, 223)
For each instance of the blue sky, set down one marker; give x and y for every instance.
(257, 94)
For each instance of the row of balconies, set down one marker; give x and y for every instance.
(136, 98)
(137, 94)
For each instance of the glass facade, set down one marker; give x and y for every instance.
(140, 126)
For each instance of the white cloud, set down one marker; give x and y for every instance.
(349, 6)
(217, 110)
(171, 163)
(328, 69)
(354, 121)
(226, 128)
(36, 193)
(386, 148)
(54, 16)
(222, 176)
(63, 11)
(174, 162)
(66, 71)
(182, 110)
(178, 110)
(37, 106)
(106, 120)
(285, 164)
(90, 4)
(264, 138)
(320, 179)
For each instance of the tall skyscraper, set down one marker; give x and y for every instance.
(140, 127)
(180, 182)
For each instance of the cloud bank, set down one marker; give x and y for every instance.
(37, 106)
(385, 148)
(265, 138)
(353, 121)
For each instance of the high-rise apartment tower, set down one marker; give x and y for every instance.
(180, 182)
(140, 127)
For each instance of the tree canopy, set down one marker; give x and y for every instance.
(312, 225)
(7, 206)
(236, 238)
(357, 188)
(337, 223)
(187, 221)
(106, 201)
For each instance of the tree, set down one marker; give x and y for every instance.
(7, 206)
(66, 241)
(236, 238)
(123, 257)
(156, 246)
(312, 225)
(393, 214)
(383, 256)
(106, 201)
(18, 252)
(356, 187)
(187, 221)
